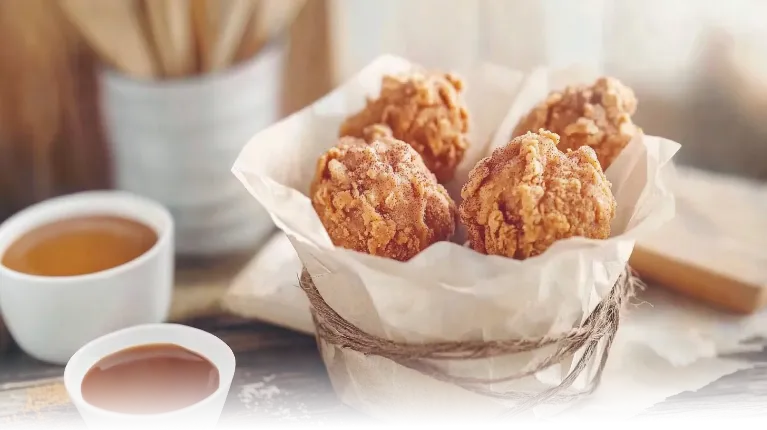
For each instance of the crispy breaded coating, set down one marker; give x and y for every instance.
(379, 198)
(598, 116)
(424, 110)
(529, 194)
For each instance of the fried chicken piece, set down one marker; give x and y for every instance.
(379, 198)
(423, 110)
(529, 194)
(598, 116)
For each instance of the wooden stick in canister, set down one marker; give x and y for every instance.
(270, 18)
(204, 16)
(157, 24)
(180, 37)
(235, 16)
(114, 30)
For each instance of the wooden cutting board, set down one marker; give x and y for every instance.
(715, 249)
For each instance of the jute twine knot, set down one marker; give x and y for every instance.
(601, 325)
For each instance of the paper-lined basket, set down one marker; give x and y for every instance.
(449, 292)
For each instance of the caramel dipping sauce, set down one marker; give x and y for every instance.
(79, 246)
(150, 379)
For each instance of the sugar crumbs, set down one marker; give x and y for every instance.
(38, 399)
(269, 398)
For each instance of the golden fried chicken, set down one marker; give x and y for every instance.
(379, 198)
(598, 116)
(423, 110)
(529, 194)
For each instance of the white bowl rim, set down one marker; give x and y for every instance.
(225, 380)
(85, 197)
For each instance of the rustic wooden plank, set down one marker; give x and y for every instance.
(280, 378)
(713, 249)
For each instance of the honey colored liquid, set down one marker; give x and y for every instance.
(79, 246)
(150, 379)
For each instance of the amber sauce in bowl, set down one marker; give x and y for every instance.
(79, 246)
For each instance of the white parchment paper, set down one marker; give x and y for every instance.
(450, 292)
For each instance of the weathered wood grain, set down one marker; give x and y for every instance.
(740, 395)
(286, 366)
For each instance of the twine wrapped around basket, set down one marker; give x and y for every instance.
(601, 324)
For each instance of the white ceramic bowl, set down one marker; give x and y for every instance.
(201, 415)
(52, 317)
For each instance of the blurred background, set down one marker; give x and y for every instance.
(158, 96)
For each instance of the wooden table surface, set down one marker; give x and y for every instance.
(281, 379)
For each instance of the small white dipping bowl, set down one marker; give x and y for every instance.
(51, 317)
(201, 415)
